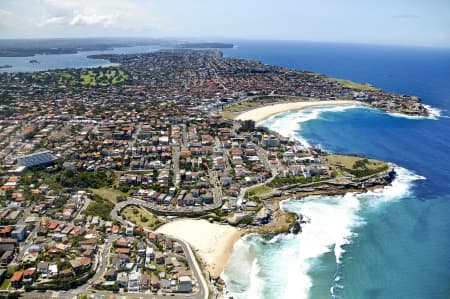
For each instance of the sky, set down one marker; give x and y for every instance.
(399, 22)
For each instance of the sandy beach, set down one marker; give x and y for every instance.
(264, 112)
(212, 242)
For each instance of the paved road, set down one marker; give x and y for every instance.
(203, 292)
(101, 266)
(27, 244)
(135, 138)
(176, 165)
(170, 210)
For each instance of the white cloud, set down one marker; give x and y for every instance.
(130, 16)
(53, 21)
(92, 19)
(5, 13)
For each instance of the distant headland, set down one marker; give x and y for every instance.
(205, 46)
(167, 134)
(27, 48)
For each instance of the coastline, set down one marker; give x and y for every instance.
(212, 242)
(264, 112)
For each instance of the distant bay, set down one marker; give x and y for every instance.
(62, 61)
(387, 244)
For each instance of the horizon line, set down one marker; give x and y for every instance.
(217, 39)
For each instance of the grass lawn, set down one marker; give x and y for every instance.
(349, 161)
(88, 79)
(243, 106)
(228, 115)
(310, 74)
(109, 194)
(5, 284)
(258, 191)
(356, 165)
(351, 84)
(99, 207)
(232, 111)
(141, 217)
(92, 77)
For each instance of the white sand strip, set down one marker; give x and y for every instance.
(213, 242)
(264, 112)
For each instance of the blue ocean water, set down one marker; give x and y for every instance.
(62, 61)
(388, 244)
(393, 243)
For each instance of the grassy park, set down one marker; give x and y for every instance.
(141, 217)
(357, 166)
(97, 77)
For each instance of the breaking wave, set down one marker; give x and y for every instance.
(280, 267)
(435, 113)
(289, 123)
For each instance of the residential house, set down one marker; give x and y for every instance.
(16, 279)
(122, 279)
(184, 284)
(28, 276)
(111, 275)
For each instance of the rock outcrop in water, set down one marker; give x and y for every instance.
(296, 228)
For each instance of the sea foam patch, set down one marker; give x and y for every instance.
(280, 267)
(289, 123)
(284, 264)
(435, 113)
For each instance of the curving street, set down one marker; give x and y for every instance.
(203, 292)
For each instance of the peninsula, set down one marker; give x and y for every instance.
(205, 45)
(27, 47)
(102, 167)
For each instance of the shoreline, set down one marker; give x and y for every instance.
(213, 242)
(264, 112)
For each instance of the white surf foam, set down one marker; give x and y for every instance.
(242, 272)
(400, 188)
(256, 284)
(332, 220)
(289, 123)
(434, 112)
(333, 223)
(286, 268)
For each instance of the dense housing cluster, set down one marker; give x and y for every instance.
(89, 171)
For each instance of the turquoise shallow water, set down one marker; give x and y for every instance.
(356, 246)
(389, 244)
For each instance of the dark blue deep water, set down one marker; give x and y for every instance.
(403, 248)
(400, 249)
